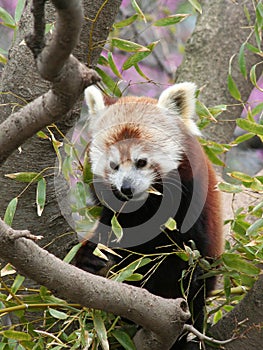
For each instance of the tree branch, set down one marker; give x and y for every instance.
(162, 320)
(69, 77)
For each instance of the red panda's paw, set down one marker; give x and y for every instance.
(89, 262)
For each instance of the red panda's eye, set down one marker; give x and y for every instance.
(141, 163)
(114, 166)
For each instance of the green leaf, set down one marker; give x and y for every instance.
(217, 316)
(71, 254)
(259, 14)
(257, 226)
(8, 20)
(57, 314)
(41, 196)
(252, 75)
(229, 188)
(138, 10)
(113, 66)
(233, 89)
(242, 61)
(127, 273)
(171, 20)
(250, 126)
(116, 228)
(10, 211)
(242, 138)
(124, 339)
(203, 111)
(3, 59)
(17, 283)
(100, 329)
(139, 56)
(196, 5)
(109, 82)
(212, 156)
(42, 135)
(126, 22)
(24, 176)
(19, 336)
(19, 9)
(236, 262)
(253, 49)
(171, 224)
(258, 109)
(140, 72)
(128, 46)
(241, 176)
(87, 173)
(103, 61)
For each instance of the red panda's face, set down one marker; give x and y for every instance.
(131, 167)
(130, 170)
(135, 142)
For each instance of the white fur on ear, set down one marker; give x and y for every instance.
(180, 98)
(94, 99)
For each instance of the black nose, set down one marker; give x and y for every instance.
(127, 189)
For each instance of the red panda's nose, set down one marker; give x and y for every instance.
(127, 189)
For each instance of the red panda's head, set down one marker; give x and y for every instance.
(136, 140)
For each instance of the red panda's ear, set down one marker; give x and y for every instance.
(180, 99)
(94, 99)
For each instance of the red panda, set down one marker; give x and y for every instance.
(148, 167)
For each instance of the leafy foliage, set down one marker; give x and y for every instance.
(47, 322)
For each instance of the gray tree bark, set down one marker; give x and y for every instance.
(22, 84)
(219, 33)
(216, 39)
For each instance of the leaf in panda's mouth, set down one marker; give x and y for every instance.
(152, 190)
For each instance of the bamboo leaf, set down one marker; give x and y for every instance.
(257, 226)
(233, 89)
(19, 9)
(25, 176)
(124, 339)
(212, 156)
(196, 5)
(100, 329)
(57, 314)
(139, 56)
(3, 59)
(241, 176)
(41, 196)
(229, 188)
(127, 45)
(138, 10)
(71, 254)
(171, 224)
(7, 19)
(113, 65)
(171, 20)
(126, 22)
(109, 82)
(116, 228)
(252, 75)
(140, 72)
(17, 283)
(250, 126)
(236, 262)
(19, 336)
(10, 211)
(242, 60)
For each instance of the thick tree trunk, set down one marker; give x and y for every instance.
(244, 322)
(219, 33)
(24, 86)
